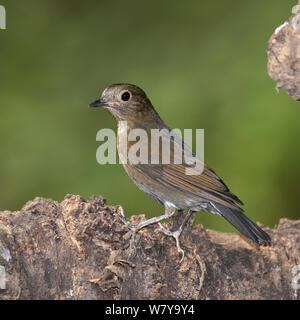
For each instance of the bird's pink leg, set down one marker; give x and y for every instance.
(176, 234)
(134, 229)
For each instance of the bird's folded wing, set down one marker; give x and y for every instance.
(206, 185)
(187, 172)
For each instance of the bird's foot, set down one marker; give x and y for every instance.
(175, 235)
(132, 228)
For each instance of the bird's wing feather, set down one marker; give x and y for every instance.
(206, 186)
(200, 181)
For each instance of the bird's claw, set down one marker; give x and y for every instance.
(120, 208)
(132, 229)
(175, 235)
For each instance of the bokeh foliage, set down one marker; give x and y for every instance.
(202, 64)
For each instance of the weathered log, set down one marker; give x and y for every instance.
(284, 55)
(79, 249)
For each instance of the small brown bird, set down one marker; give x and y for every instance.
(169, 183)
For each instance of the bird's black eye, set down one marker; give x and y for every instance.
(125, 96)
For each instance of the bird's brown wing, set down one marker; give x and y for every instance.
(206, 185)
(189, 174)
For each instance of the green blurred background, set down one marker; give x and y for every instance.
(202, 64)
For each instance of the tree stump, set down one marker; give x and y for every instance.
(79, 249)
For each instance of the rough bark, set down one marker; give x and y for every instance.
(79, 249)
(284, 55)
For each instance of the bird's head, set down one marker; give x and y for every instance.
(125, 102)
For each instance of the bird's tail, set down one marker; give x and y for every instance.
(243, 224)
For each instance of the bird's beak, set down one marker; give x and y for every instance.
(98, 103)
